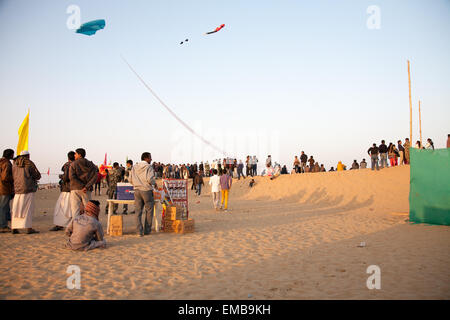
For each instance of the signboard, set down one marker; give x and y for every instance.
(177, 192)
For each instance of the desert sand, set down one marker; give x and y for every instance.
(295, 237)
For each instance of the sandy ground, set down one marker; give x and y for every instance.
(294, 237)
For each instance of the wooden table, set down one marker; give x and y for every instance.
(111, 203)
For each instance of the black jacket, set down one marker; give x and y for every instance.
(82, 174)
(373, 151)
(303, 158)
(383, 148)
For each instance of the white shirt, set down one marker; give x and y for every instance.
(214, 181)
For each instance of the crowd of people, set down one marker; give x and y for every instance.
(304, 165)
(396, 154)
(188, 171)
(379, 156)
(77, 213)
(75, 210)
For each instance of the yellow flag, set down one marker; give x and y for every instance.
(23, 135)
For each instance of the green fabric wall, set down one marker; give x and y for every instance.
(429, 195)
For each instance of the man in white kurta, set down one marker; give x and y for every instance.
(26, 176)
(214, 181)
(63, 213)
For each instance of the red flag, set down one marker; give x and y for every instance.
(104, 162)
(48, 172)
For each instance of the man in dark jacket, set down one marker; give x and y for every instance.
(240, 169)
(26, 177)
(303, 160)
(198, 181)
(6, 188)
(401, 151)
(82, 175)
(63, 213)
(373, 152)
(383, 149)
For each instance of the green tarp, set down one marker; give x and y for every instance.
(429, 195)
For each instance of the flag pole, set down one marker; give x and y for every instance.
(420, 126)
(410, 105)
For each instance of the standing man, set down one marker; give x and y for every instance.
(383, 149)
(254, 166)
(6, 189)
(214, 182)
(297, 165)
(198, 181)
(407, 145)
(142, 177)
(303, 159)
(26, 176)
(448, 141)
(63, 214)
(114, 176)
(373, 152)
(98, 183)
(122, 172)
(248, 166)
(225, 186)
(126, 178)
(207, 169)
(401, 152)
(240, 169)
(82, 175)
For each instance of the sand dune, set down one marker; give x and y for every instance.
(294, 237)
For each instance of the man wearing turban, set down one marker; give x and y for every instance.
(85, 231)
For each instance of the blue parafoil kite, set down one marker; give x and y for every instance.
(91, 27)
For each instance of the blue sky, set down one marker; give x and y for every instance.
(309, 73)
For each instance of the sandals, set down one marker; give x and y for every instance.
(32, 231)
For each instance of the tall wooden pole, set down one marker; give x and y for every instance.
(410, 107)
(420, 126)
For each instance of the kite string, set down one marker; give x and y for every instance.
(171, 112)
